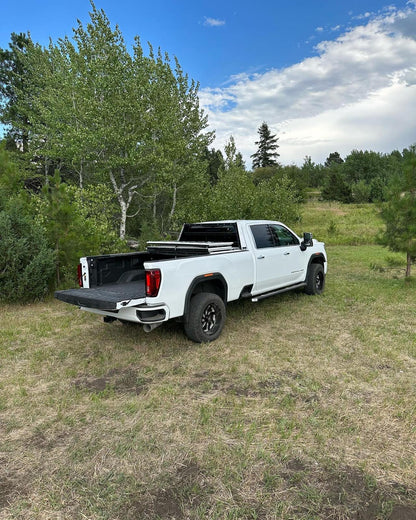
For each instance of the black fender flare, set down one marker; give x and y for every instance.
(314, 259)
(217, 279)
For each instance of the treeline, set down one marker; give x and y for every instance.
(104, 145)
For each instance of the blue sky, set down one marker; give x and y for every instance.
(325, 75)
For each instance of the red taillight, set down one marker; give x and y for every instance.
(80, 275)
(153, 279)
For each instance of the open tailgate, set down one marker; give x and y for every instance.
(109, 297)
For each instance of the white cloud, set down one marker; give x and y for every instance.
(358, 92)
(213, 22)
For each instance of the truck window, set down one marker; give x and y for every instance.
(282, 236)
(262, 236)
(211, 232)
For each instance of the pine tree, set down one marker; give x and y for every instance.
(267, 145)
(399, 212)
(13, 81)
(333, 158)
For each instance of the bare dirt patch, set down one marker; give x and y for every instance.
(12, 484)
(184, 491)
(213, 382)
(128, 380)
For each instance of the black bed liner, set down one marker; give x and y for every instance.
(105, 297)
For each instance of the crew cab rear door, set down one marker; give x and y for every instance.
(278, 257)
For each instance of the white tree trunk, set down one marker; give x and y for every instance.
(124, 194)
(123, 205)
(172, 211)
(408, 264)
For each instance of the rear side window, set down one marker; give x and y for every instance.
(282, 236)
(262, 236)
(272, 235)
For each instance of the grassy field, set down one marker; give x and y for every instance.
(305, 408)
(341, 224)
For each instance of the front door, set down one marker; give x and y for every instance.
(279, 259)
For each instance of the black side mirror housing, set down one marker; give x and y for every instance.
(307, 241)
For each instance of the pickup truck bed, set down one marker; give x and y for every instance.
(105, 297)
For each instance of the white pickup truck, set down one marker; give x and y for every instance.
(193, 278)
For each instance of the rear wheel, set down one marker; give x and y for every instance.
(206, 317)
(315, 281)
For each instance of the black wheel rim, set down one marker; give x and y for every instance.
(211, 318)
(319, 281)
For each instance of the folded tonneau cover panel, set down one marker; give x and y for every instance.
(188, 248)
(105, 297)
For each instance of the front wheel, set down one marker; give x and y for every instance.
(206, 318)
(315, 280)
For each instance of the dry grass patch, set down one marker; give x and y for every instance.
(305, 408)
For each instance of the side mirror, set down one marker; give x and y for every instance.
(306, 242)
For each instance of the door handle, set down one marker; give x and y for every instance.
(287, 253)
(260, 257)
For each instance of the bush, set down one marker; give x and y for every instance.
(77, 223)
(27, 263)
(336, 188)
(361, 192)
(235, 196)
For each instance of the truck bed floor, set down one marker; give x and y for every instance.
(105, 297)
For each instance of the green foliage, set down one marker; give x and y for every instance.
(103, 115)
(26, 261)
(336, 223)
(13, 81)
(77, 223)
(239, 195)
(399, 212)
(11, 179)
(333, 158)
(362, 177)
(278, 199)
(336, 187)
(264, 174)
(233, 197)
(215, 161)
(313, 174)
(298, 178)
(361, 192)
(267, 145)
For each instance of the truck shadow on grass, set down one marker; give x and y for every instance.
(238, 312)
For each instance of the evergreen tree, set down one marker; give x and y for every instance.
(399, 212)
(335, 187)
(333, 158)
(267, 145)
(14, 80)
(26, 260)
(215, 161)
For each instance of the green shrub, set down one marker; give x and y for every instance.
(77, 223)
(27, 263)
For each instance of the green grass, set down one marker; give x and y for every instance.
(305, 408)
(341, 224)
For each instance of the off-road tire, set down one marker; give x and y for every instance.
(206, 317)
(315, 280)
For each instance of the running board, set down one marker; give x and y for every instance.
(278, 291)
